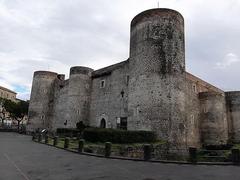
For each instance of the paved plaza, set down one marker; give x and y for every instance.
(22, 159)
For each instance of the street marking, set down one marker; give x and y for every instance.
(18, 169)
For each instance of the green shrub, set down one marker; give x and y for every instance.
(118, 136)
(70, 132)
(80, 126)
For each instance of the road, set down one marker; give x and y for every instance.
(22, 159)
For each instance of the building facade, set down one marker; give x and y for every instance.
(7, 94)
(151, 90)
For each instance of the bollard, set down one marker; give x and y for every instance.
(147, 152)
(79, 136)
(235, 156)
(66, 142)
(55, 140)
(192, 154)
(81, 145)
(39, 137)
(108, 147)
(46, 139)
(33, 136)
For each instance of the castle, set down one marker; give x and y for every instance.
(149, 91)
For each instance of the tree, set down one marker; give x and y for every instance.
(3, 112)
(17, 110)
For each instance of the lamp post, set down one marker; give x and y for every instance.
(65, 124)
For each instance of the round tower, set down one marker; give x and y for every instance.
(213, 124)
(41, 101)
(157, 74)
(79, 95)
(233, 112)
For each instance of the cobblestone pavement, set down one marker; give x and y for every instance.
(22, 159)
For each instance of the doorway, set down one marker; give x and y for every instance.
(103, 123)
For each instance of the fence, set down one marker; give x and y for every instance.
(144, 152)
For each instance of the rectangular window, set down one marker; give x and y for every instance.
(123, 123)
(192, 119)
(194, 88)
(127, 80)
(102, 84)
(118, 122)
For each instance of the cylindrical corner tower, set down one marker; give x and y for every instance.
(157, 74)
(233, 112)
(214, 126)
(79, 95)
(41, 101)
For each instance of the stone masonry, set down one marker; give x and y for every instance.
(150, 91)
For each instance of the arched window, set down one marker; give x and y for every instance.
(103, 123)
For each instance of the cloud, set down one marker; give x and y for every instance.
(55, 35)
(229, 60)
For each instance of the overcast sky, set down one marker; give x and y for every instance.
(57, 34)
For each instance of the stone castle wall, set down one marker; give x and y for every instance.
(42, 100)
(109, 102)
(61, 110)
(149, 91)
(79, 95)
(233, 114)
(214, 127)
(157, 75)
(192, 115)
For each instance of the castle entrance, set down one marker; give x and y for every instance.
(103, 123)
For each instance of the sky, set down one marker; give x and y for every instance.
(55, 35)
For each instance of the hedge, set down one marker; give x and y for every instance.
(118, 136)
(68, 132)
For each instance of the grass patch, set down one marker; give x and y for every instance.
(129, 149)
